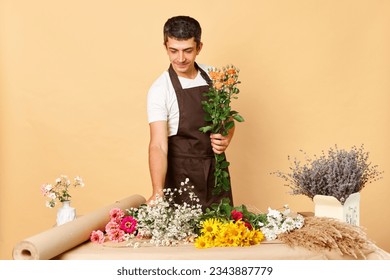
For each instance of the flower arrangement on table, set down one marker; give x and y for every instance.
(60, 190)
(220, 116)
(164, 223)
(224, 225)
(339, 173)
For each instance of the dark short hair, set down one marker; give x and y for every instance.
(182, 28)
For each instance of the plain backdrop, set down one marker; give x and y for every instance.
(74, 77)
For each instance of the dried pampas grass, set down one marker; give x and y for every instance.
(321, 233)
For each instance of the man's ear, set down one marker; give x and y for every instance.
(199, 48)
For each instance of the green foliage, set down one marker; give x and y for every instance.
(223, 212)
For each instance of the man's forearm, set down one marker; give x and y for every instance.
(157, 168)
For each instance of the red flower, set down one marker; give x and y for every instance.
(248, 225)
(129, 224)
(236, 215)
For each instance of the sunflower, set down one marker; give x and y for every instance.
(202, 242)
(211, 226)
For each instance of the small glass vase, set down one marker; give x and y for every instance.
(66, 213)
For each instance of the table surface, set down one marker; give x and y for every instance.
(269, 250)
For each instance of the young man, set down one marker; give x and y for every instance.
(177, 149)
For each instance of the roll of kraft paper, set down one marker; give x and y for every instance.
(57, 240)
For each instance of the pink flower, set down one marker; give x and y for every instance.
(116, 214)
(236, 215)
(45, 189)
(97, 236)
(112, 226)
(116, 235)
(129, 224)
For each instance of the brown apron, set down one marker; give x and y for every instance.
(189, 151)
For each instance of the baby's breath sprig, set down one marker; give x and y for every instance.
(166, 223)
(220, 116)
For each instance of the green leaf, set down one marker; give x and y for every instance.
(229, 125)
(220, 157)
(205, 129)
(238, 118)
(226, 209)
(226, 184)
(216, 190)
(208, 118)
(224, 164)
(225, 200)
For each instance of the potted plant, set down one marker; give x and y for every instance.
(333, 180)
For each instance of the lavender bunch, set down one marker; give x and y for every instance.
(339, 173)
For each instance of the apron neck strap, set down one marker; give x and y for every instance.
(175, 79)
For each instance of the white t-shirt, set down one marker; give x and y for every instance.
(162, 102)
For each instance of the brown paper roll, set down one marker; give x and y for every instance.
(50, 243)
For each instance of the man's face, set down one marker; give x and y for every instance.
(182, 54)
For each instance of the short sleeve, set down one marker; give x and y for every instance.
(156, 104)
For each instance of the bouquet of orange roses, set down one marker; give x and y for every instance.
(220, 116)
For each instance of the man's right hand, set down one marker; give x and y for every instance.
(154, 196)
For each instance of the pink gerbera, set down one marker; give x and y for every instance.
(129, 224)
(97, 236)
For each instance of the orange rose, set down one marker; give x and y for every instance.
(231, 71)
(213, 75)
(218, 85)
(230, 81)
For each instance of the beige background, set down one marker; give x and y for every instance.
(74, 77)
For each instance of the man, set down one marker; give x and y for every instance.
(177, 149)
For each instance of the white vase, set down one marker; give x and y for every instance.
(66, 213)
(329, 206)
